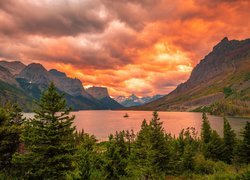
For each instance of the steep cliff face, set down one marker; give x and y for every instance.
(14, 67)
(72, 86)
(98, 92)
(226, 58)
(227, 66)
(101, 93)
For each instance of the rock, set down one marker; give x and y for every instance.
(14, 67)
(98, 92)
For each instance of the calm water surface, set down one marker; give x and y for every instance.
(103, 123)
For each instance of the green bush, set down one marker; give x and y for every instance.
(203, 166)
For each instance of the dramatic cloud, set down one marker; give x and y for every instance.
(131, 46)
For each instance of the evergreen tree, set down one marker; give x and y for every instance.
(229, 142)
(188, 158)
(48, 140)
(206, 130)
(130, 137)
(245, 146)
(116, 157)
(152, 155)
(187, 147)
(214, 148)
(10, 131)
(140, 164)
(87, 157)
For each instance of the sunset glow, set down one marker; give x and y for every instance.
(134, 46)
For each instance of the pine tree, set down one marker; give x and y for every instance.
(116, 157)
(229, 142)
(152, 154)
(206, 130)
(245, 146)
(10, 131)
(214, 148)
(140, 164)
(48, 139)
(188, 158)
(87, 158)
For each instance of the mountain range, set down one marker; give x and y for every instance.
(219, 84)
(24, 85)
(133, 100)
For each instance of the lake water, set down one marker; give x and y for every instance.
(103, 123)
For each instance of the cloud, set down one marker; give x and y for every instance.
(131, 46)
(53, 18)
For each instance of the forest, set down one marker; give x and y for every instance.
(48, 146)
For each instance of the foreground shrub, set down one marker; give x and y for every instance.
(203, 166)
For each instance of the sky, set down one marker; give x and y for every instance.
(144, 47)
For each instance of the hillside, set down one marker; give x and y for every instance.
(220, 82)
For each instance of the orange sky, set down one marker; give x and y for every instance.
(144, 47)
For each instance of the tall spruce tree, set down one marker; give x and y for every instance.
(206, 131)
(229, 142)
(48, 139)
(87, 158)
(116, 157)
(151, 157)
(214, 148)
(10, 131)
(245, 145)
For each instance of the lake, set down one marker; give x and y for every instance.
(102, 123)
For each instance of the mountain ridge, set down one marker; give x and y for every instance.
(225, 67)
(33, 79)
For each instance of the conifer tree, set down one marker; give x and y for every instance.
(116, 157)
(10, 131)
(214, 148)
(229, 142)
(206, 130)
(48, 139)
(152, 154)
(245, 146)
(87, 158)
(188, 158)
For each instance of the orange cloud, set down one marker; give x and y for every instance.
(130, 46)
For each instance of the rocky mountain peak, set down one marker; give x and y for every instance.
(57, 73)
(133, 97)
(222, 60)
(6, 76)
(98, 92)
(14, 67)
(34, 68)
(227, 65)
(37, 74)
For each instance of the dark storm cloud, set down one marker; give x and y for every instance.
(58, 18)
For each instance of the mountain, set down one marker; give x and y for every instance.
(34, 79)
(219, 83)
(133, 100)
(14, 67)
(10, 90)
(36, 74)
(25, 84)
(72, 86)
(6, 76)
(101, 93)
